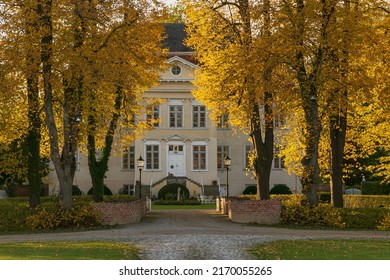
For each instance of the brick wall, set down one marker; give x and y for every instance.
(266, 212)
(120, 213)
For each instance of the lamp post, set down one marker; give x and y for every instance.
(227, 161)
(140, 165)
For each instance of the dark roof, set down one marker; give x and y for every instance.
(175, 37)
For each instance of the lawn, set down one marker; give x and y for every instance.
(68, 251)
(177, 207)
(323, 250)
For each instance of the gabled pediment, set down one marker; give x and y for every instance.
(176, 59)
(176, 138)
(181, 70)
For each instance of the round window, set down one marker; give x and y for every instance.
(176, 70)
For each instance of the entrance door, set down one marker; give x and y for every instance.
(176, 160)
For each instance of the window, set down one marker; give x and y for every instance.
(153, 116)
(176, 148)
(198, 116)
(223, 121)
(222, 152)
(248, 153)
(129, 189)
(152, 157)
(176, 116)
(199, 157)
(279, 120)
(176, 70)
(128, 158)
(278, 160)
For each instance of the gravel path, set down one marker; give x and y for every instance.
(193, 235)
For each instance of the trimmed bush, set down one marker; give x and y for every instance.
(173, 202)
(324, 197)
(76, 190)
(118, 198)
(364, 218)
(375, 188)
(280, 189)
(106, 191)
(366, 201)
(169, 192)
(385, 223)
(13, 214)
(78, 216)
(250, 190)
(297, 211)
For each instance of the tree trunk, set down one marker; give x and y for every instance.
(33, 143)
(33, 138)
(64, 162)
(338, 125)
(338, 122)
(98, 168)
(311, 170)
(264, 150)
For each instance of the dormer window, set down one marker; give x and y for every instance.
(176, 70)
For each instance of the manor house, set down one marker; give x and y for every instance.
(185, 146)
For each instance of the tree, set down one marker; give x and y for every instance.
(21, 58)
(115, 90)
(330, 56)
(232, 40)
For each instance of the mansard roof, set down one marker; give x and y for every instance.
(176, 35)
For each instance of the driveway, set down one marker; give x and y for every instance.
(193, 235)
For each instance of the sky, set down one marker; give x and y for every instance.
(169, 2)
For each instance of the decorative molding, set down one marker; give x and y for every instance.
(182, 60)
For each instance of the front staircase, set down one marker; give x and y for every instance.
(193, 186)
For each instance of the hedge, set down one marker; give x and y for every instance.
(366, 201)
(375, 188)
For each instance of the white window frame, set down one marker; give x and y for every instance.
(198, 144)
(223, 153)
(175, 126)
(154, 116)
(128, 152)
(223, 121)
(198, 114)
(178, 74)
(131, 189)
(278, 162)
(246, 164)
(146, 156)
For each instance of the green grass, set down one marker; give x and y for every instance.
(323, 250)
(178, 207)
(68, 251)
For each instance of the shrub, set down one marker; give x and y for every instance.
(250, 190)
(76, 190)
(78, 216)
(169, 192)
(298, 212)
(366, 201)
(385, 222)
(118, 198)
(280, 189)
(324, 197)
(13, 215)
(375, 188)
(175, 202)
(363, 218)
(106, 191)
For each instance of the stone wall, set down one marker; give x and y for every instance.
(266, 212)
(120, 213)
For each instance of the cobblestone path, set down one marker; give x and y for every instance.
(193, 235)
